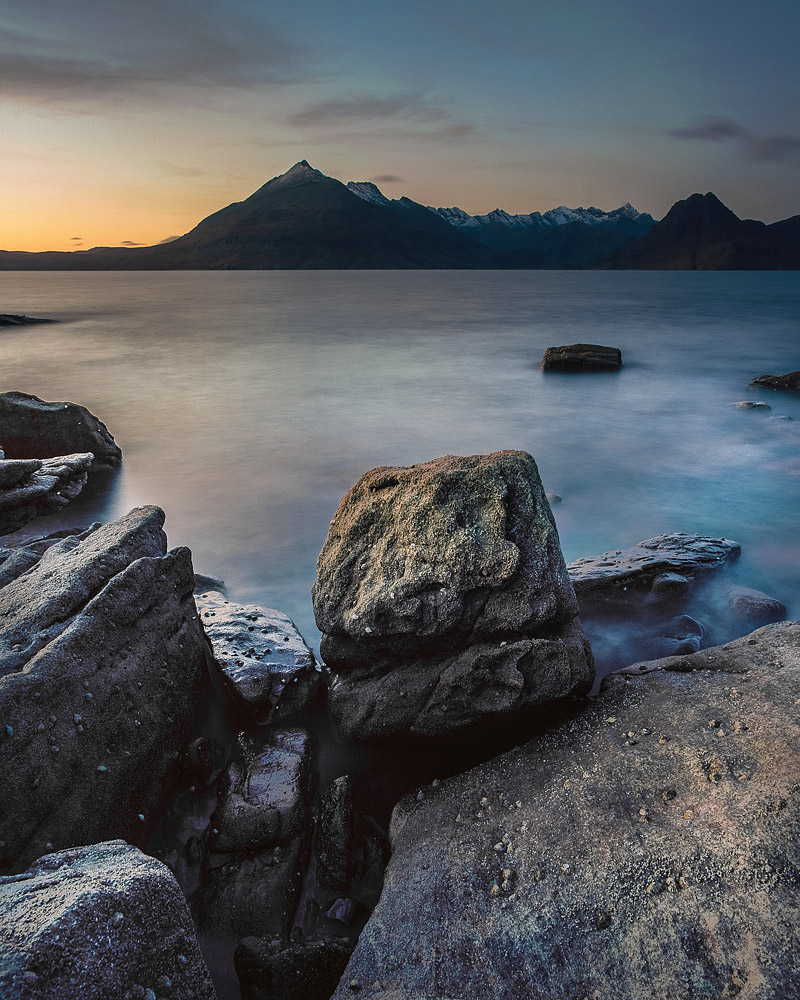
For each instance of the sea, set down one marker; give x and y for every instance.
(247, 403)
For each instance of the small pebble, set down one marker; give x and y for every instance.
(102, 768)
(117, 920)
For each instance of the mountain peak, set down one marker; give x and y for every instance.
(301, 173)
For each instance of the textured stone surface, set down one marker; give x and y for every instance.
(33, 428)
(273, 970)
(438, 556)
(790, 381)
(581, 358)
(104, 921)
(648, 846)
(754, 606)
(267, 665)
(18, 559)
(259, 837)
(442, 695)
(102, 663)
(627, 573)
(29, 488)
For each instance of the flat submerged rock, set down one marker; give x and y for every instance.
(581, 358)
(649, 846)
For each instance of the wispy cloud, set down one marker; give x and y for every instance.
(386, 179)
(779, 147)
(409, 111)
(130, 243)
(711, 128)
(100, 50)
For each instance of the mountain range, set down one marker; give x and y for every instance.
(305, 219)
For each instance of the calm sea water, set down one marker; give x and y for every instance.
(247, 403)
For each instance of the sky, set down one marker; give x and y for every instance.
(126, 122)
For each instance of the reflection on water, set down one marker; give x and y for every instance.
(247, 403)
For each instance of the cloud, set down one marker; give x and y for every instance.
(386, 179)
(168, 239)
(92, 49)
(130, 243)
(710, 128)
(411, 112)
(76, 239)
(780, 147)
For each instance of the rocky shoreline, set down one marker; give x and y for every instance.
(638, 843)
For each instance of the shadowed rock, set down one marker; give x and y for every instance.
(32, 428)
(789, 382)
(581, 358)
(443, 598)
(99, 921)
(32, 487)
(18, 559)
(631, 573)
(17, 319)
(658, 848)
(102, 663)
(267, 665)
(755, 606)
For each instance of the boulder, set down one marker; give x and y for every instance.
(102, 667)
(754, 606)
(648, 844)
(581, 358)
(18, 559)
(630, 574)
(259, 837)
(437, 556)
(31, 487)
(680, 636)
(789, 382)
(443, 599)
(269, 669)
(32, 428)
(103, 921)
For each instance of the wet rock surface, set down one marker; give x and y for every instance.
(754, 606)
(581, 358)
(789, 382)
(641, 571)
(33, 428)
(649, 841)
(32, 487)
(104, 921)
(102, 668)
(258, 838)
(437, 588)
(269, 668)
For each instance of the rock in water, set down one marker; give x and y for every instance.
(581, 358)
(102, 663)
(267, 665)
(640, 571)
(651, 842)
(443, 598)
(755, 606)
(789, 382)
(99, 921)
(32, 428)
(31, 487)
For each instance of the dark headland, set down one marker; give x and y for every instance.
(304, 219)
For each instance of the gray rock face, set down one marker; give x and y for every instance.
(269, 668)
(32, 428)
(18, 559)
(789, 382)
(629, 573)
(102, 921)
(755, 606)
(651, 842)
(442, 695)
(31, 487)
(259, 837)
(428, 574)
(102, 662)
(581, 358)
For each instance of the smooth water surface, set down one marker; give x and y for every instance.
(247, 403)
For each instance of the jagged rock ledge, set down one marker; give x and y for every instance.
(32, 487)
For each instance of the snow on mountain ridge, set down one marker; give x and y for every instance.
(554, 217)
(368, 191)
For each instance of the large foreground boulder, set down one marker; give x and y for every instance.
(268, 667)
(104, 921)
(581, 358)
(102, 664)
(31, 487)
(442, 595)
(32, 428)
(646, 847)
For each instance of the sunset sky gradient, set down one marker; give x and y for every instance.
(127, 121)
